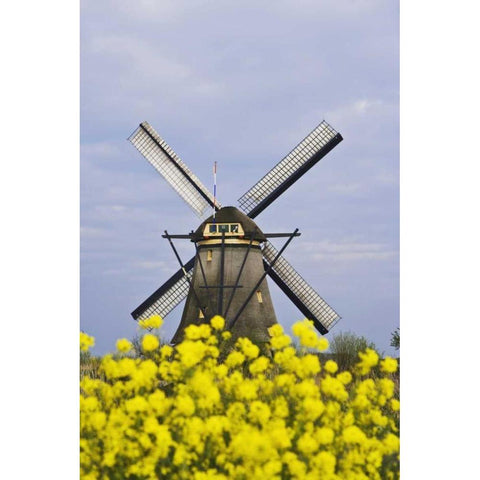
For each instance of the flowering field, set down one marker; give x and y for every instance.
(208, 409)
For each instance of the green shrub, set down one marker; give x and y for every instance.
(345, 347)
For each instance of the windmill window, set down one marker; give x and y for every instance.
(223, 228)
(200, 313)
(259, 296)
(209, 255)
(212, 229)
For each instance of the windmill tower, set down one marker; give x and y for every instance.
(227, 276)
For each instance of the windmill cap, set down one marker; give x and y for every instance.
(231, 215)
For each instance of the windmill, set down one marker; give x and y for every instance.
(227, 275)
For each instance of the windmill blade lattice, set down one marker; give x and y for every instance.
(168, 296)
(147, 141)
(307, 300)
(304, 156)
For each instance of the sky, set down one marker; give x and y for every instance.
(241, 85)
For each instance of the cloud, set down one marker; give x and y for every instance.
(346, 188)
(102, 149)
(88, 232)
(349, 251)
(152, 265)
(138, 70)
(166, 12)
(331, 7)
(373, 109)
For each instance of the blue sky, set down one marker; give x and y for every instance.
(241, 85)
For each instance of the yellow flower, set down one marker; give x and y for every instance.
(215, 424)
(234, 359)
(361, 402)
(353, 434)
(166, 351)
(125, 367)
(280, 341)
(203, 385)
(312, 408)
(124, 345)
(259, 365)
(324, 435)
(158, 402)
(386, 387)
(280, 407)
(389, 365)
(295, 466)
(305, 388)
(217, 322)
(150, 342)
(391, 443)
(275, 330)
(331, 366)
(248, 348)
(395, 405)
(333, 387)
(377, 418)
(194, 332)
(272, 468)
(322, 344)
(191, 352)
(86, 341)
(309, 366)
(88, 404)
(325, 462)
(280, 434)
(307, 444)
(155, 321)
(345, 377)
(287, 359)
(136, 404)
(252, 445)
(259, 412)
(368, 359)
(304, 331)
(246, 390)
(98, 420)
(184, 405)
(236, 410)
(226, 335)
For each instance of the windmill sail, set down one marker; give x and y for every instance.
(147, 141)
(299, 291)
(167, 297)
(303, 157)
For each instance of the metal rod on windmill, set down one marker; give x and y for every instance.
(214, 188)
(182, 268)
(231, 324)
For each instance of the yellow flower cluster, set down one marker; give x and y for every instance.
(124, 345)
(86, 341)
(154, 321)
(209, 410)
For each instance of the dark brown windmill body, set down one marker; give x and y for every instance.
(228, 265)
(227, 275)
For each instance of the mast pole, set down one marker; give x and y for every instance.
(214, 189)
